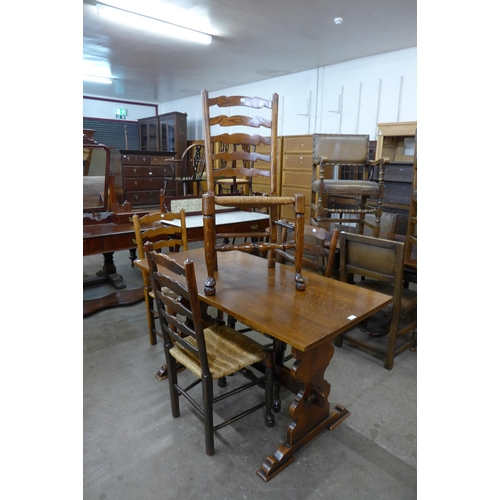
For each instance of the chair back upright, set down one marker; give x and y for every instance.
(232, 155)
(178, 305)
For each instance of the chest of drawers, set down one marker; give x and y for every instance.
(144, 174)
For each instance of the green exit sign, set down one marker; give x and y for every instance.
(121, 113)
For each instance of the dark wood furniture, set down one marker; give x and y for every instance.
(209, 350)
(165, 132)
(411, 233)
(380, 262)
(266, 301)
(106, 233)
(235, 159)
(191, 172)
(332, 198)
(144, 174)
(396, 142)
(319, 248)
(110, 232)
(165, 237)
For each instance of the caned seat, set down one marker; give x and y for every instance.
(231, 144)
(208, 350)
(380, 261)
(152, 228)
(334, 199)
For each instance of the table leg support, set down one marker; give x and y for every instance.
(310, 409)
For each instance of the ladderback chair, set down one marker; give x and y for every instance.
(230, 146)
(380, 261)
(333, 199)
(209, 350)
(153, 228)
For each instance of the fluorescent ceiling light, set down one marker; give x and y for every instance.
(152, 24)
(97, 79)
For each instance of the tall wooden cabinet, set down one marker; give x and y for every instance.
(166, 132)
(296, 171)
(396, 141)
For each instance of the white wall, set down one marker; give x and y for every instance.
(349, 98)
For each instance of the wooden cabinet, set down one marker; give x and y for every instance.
(396, 141)
(148, 133)
(144, 174)
(297, 171)
(166, 132)
(173, 132)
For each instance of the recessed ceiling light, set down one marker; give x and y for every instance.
(338, 20)
(97, 79)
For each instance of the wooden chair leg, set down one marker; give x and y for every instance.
(172, 382)
(209, 243)
(391, 344)
(208, 396)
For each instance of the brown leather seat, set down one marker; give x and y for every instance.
(333, 198)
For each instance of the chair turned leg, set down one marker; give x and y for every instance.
(208, 209)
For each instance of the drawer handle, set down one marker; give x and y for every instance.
(135, 170)
(136, 197)
(128, 158)
(144, 160)
(254, 227)
(135, 183)
(134, 241)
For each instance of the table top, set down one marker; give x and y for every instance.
(266, 300)
(220, 219)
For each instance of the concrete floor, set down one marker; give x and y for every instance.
(134, 449)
